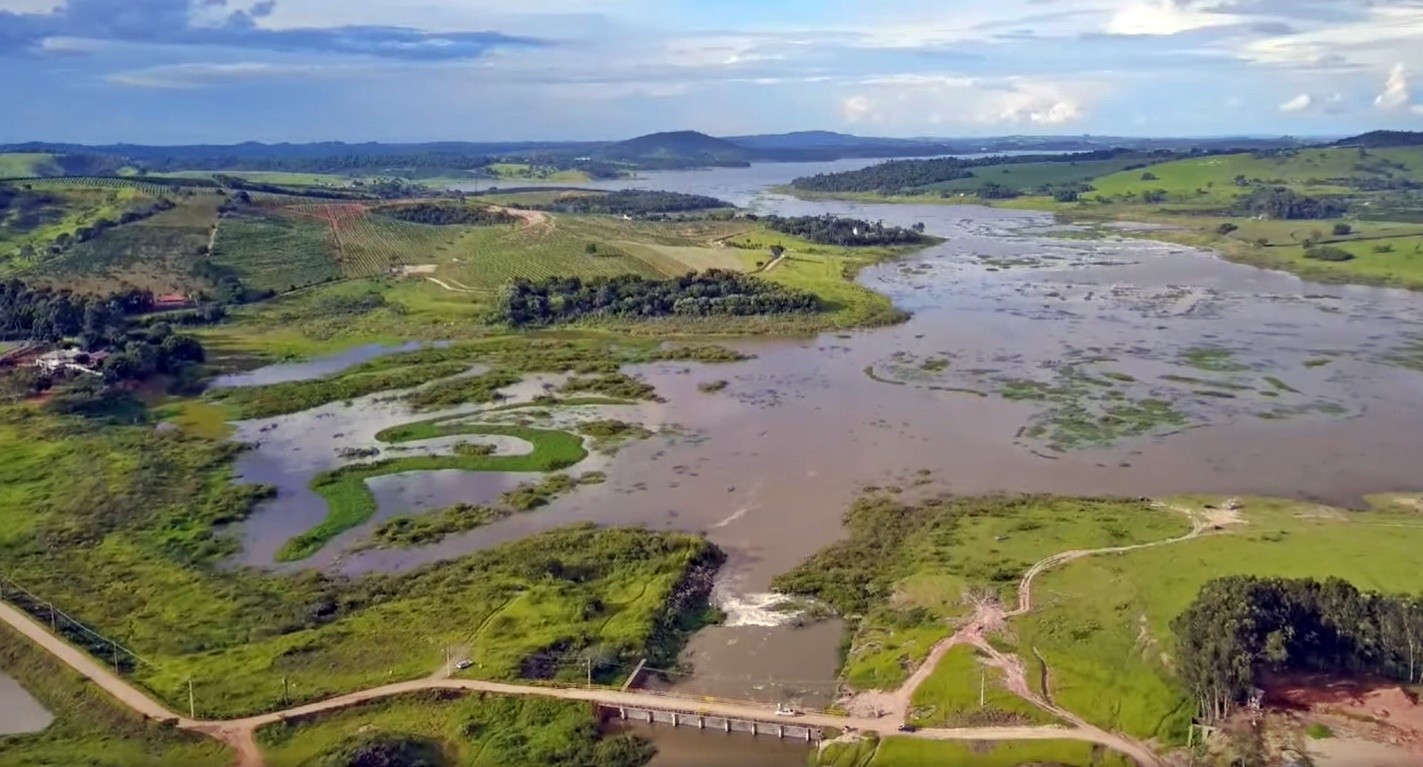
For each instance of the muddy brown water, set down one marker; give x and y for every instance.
(1306, 405)
(20, 713)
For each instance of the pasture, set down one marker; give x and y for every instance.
(1103, 623)
(1211, 180)
(1030, 176)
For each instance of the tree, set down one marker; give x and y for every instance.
(591, 248)
(777, 251)
(1342, 230)
(1226, 228)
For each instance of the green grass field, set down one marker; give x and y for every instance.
(279, 253)
(89, 727)
(907, 752)
(1311, 171)
(25, 165)
(526, 171)
(472, 730)
(950, 697)
(266, 177)
(1103, 623)
(1030, 176)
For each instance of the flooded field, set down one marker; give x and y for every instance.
(1037, 360)
(19, 712)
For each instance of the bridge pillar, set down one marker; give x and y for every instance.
(753, 729)
(701, 723)
(807, 735)
(674, 719)
(726, 722)
(649, 717)
(622, 712)
(780, 731)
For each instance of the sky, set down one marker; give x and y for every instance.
(226, 71)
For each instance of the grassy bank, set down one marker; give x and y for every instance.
(125, 528)
(350, 502)
(464, 729)
(905, 570)
(89, 727)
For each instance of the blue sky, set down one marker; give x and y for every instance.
(171, 71)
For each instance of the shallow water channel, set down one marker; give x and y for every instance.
(20, 713)
(1232, 380)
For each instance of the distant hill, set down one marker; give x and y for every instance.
(679, 147)
(1383, 138)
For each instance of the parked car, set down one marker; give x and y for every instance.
(908, 728)
(464, 664)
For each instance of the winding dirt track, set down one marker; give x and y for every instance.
(240, 734)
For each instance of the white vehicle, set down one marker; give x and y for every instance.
(464, 664)
(784, 710)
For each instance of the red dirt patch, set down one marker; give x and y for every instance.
(1359, 699)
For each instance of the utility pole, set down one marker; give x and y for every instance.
(285, 697)
(192, 706)
(115, 646)
(589, 661)
(982, 688)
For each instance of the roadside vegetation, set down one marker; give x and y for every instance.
(446, 729)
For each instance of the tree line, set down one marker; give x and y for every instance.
(1242, 627)
(447, 215)
(899, 175)
(715, 292)
(634, 202)
(1282, 203)
(846, 232)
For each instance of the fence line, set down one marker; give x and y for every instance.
(42, 609)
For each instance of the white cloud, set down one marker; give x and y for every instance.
(1395, 90)
(929, 100)
(201, 74)
(1298, 104)
(1163, 17)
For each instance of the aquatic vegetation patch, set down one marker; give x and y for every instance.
(350, 502)
(1409, 355)
(1212, 358)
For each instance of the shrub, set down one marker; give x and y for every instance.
(1383, 248)
(1226, 228)
(1341, 230)
(1324, 253)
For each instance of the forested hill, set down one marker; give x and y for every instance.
(898, 175)
(1383, 138)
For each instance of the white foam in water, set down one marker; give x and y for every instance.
(754, 609)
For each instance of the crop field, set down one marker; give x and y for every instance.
(51, 212)
(267, 177)
(1105, 631)
(106, 182)
(1030, 176)
(157, 253)
(376, 244)
(279, 253)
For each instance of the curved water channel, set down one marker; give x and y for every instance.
(1242, 381)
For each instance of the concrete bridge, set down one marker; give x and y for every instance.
(704, 720)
